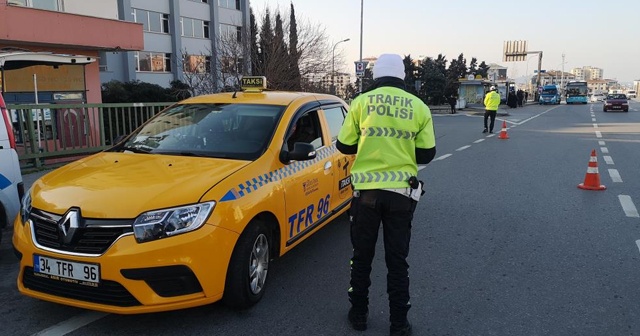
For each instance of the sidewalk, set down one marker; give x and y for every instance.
(475, 110)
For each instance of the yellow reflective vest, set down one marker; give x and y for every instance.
(492, 101)
(388, 124)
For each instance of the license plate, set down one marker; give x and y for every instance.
(65, 270)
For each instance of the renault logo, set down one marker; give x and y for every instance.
(68, 225)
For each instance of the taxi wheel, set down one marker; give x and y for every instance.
(248, 268)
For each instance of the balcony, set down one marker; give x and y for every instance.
(50, 29)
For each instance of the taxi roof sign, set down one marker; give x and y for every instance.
(253, 83)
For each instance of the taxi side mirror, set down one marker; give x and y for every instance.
(302, 151)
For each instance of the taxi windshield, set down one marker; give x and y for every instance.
(231, 131)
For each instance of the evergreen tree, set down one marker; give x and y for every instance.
(279, 74)
(410, 72)
(256, 66)
(483, 70)
(433, 75)
(473, 66)
(457, 69)
(294, 56)
(266, 45)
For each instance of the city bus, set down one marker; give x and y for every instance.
(576, 92)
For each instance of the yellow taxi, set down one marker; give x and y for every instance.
(190, 208)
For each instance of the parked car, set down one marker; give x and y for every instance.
(11, 187)
(616, 102)
(189, 209)
(597, 97)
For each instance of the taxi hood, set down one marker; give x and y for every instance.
(124, 185)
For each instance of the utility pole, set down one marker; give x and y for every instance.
(562, 78)
(333, 65)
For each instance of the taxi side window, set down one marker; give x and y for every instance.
(335, 118)
(306, 129)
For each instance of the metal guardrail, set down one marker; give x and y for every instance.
(56, 133)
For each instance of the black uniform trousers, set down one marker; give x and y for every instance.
(395, 211)
(490, 114)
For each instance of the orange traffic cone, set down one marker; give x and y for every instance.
(503, 133)
(592, 178)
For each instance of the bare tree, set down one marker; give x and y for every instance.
(314, 54)
(196, 72)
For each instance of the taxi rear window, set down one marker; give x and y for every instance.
(232, 131)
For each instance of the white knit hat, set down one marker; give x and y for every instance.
(389, 65)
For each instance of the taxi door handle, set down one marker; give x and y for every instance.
(328, 165)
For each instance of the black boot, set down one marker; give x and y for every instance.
(404, 330)
(358, 319)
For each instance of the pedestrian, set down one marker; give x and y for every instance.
(491, 103)
(386, 189)
(526, 96)
(453, 101)
(520, 96)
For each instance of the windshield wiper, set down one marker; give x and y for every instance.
(134, 149)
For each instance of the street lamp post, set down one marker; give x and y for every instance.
(333, 65)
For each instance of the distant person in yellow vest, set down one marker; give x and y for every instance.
(491, 103)
(391, 132)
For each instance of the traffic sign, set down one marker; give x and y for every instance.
(360, 66)
(541, 71)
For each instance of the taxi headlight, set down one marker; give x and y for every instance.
(159, 224)
(25, 208)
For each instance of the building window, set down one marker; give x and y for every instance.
(197, 64)
(153, 61)
(231, 65)
(194, 27)
(229, 33)
(152, 21)
(54, 5)
(232, 4)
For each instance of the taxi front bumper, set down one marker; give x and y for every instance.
(177, 272)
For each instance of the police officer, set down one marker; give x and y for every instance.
(491, 103)
(391, 132)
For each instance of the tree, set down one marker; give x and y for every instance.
(309, 54)
(433, 75)
(294, 57)
(457, 69)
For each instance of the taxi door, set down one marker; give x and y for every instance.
(308, 184)
(341, 190)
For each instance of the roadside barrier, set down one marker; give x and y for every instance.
(592, 178)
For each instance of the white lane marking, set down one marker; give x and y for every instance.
(491, 135)
(462, 148)
(628, 206)
(638, 243)
(604, 150)
(598, 134)
(478, 141)
(615, 175)
(537, 115)
(593, 119)
(601, 143)
(421, 168)
(595, 125)
(608, 160)
(442, 157)
(71, 324)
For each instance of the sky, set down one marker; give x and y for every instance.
(602, 34)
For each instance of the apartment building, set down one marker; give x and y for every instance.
(33, 29)
(181, 38)
(588, 73)
(154, 41)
